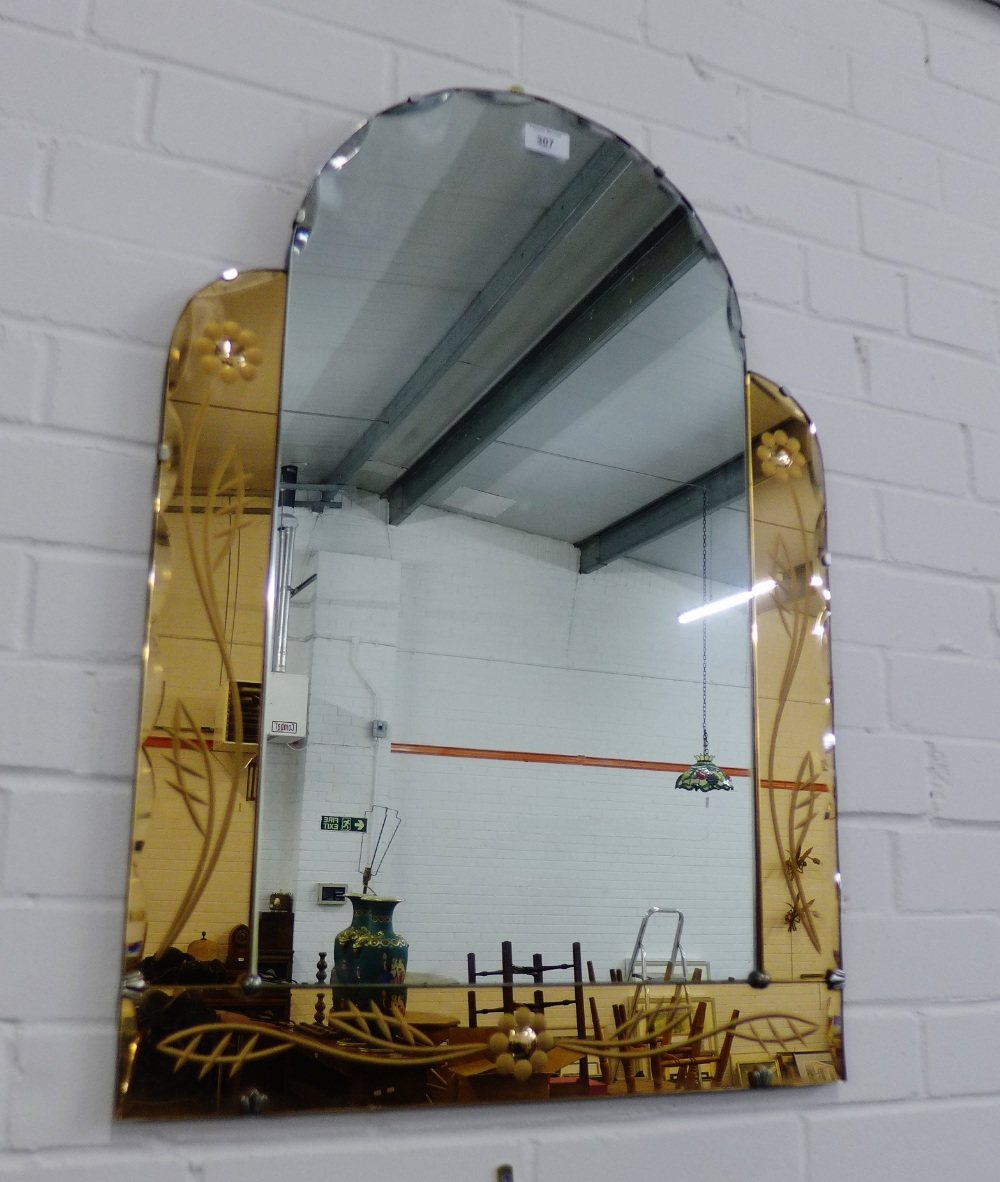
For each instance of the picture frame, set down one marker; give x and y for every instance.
(814, 1067)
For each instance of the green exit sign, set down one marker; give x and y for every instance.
(344, 824)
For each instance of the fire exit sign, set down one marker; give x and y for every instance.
(344, 824)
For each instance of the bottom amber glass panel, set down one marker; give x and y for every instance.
(219, 1052)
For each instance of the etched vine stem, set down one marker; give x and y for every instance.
(796, 623)
(361, 1045)
(225, 501)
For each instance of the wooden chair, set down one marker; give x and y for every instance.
(536, 972)
(692, 1059)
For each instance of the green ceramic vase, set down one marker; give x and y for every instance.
(370, 953)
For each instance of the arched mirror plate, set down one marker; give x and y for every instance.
(424, 760)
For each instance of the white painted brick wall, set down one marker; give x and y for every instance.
(847, 157)
(475, 635)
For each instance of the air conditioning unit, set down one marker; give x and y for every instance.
(287, 706)
(225, 733)
(284, 716)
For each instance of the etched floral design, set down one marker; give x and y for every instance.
(228, 351)
(801, 860)
(521, 1044)
(781, 455)
(796, 914)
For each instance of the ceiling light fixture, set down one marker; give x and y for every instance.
(721, 605)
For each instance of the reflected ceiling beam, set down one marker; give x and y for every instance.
(580, 196)
(668, 252)
(717, 488)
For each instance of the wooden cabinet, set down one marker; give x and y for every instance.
(275, 940)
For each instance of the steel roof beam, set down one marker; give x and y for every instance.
(579, 197)
(717, 488)
(668, 252)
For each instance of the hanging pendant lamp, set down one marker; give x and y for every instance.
(704, 775)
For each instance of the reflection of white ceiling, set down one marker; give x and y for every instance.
(658, 398)
(652, 409)
(407, 233)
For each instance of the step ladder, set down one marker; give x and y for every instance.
(639, 951)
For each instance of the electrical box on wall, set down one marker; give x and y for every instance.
(329, 894)
(286, 706)
(225, 725)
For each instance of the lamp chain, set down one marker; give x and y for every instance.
(704, 620)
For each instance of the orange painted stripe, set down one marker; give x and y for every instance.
(642, 765)
(645, 765)
(791, 785)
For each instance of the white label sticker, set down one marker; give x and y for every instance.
(545, 140)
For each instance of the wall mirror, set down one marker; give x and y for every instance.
(486, 738)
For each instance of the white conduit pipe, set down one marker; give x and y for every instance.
(283, 590)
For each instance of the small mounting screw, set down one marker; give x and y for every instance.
(758, 979)
(836, 979)
(505, 1174)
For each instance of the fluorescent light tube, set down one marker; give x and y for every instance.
(721, 605)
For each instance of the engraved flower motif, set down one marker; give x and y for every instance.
(228, 351)
(801, 860)
(793, 916)
(521, 1044)
(780, 455)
